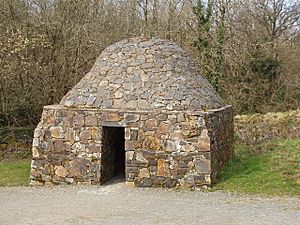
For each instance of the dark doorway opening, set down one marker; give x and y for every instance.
(113, 153)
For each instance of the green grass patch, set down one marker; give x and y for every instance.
(271, 168)
(14, 173)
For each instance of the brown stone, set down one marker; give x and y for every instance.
(78, 120)
(85, 135)
(181, 117)
(35, 152)
(76, 168)
(164, 127)
(70, 136)
(91, 120)
(94, 148)
(204, 144)
(129, 145)
(129, 155)
(151, 123)
(151, 143)
(144, 173)
(59, 145)
(188, 148)
(48, 169)
(60, 171)
(162, 168)
(132, 104)
(118, 94)
(113, 117)
(176, 135)
(56, 132)
(95, 134)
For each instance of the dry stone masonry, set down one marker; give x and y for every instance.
(143, 110)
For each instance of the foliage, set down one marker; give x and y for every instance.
(210, 48)
(249, 50)
(270, 168)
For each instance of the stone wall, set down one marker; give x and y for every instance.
(220, 128)
(163, 148)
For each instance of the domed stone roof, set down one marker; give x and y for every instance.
(144, 74)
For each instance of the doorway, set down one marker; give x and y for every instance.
(113, 154)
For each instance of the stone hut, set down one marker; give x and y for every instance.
(143, 113)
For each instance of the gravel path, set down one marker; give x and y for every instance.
(117, 204)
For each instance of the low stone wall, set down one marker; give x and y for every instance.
(221, 132)
(15, 142)
(162, 148)
(257, 128)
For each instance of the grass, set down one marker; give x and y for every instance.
(15, 173)
(272, 168)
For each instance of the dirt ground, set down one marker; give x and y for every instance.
(117, 204)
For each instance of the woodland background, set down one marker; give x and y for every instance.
(248, 49)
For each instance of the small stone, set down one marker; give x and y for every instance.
(77, 147)
(188, 148)
(56, 132)
(59, 145)
(103, 83)
(151, 123)
(144, 173)
(130, 184)
(169, 106)
(70, 135)
(170, 183)
(69, 102)
(203, 166)
(164, 127)
(91, 100)
(35, 152)
(172, 146)
(132, 104)
(118, 94)
(85, 135)
(95, 134)
(61, 171)
(143, 104)
(113, 117)
(146, 182)
(91, 120)
(162, 168)
(131, 118)
(151, 143)
(129, 155)
(204, 144)
(107, 103)
(77, 168)
(190, 181)
(181, 117)
(176, 135)
(78, 120)
(81, 100)
(141, 158)
(128, 86)
(69, 180)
